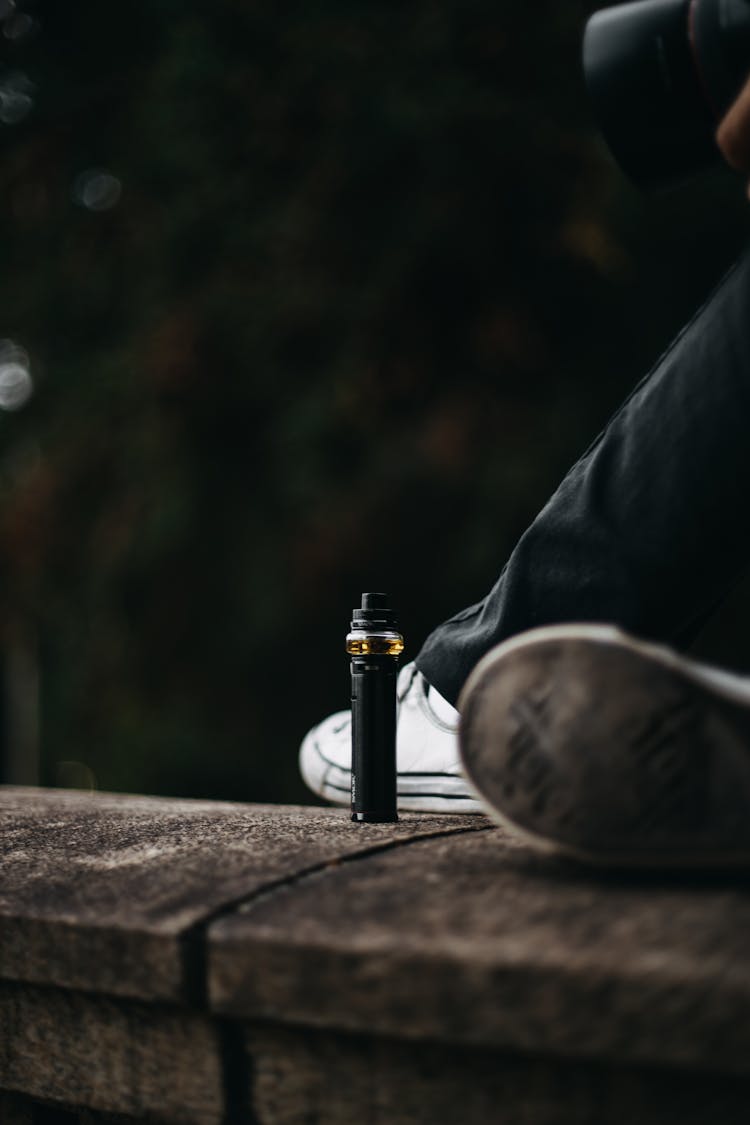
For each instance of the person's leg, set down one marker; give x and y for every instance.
(650, 529)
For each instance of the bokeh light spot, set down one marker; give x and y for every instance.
(16, 99)
(97, 190)
(19, 26)
(16, 384)
(75, 775)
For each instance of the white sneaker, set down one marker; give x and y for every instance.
(429, 776)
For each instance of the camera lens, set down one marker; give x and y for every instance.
(660, 74)
(646, 90)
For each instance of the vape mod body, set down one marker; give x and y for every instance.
(374, 645)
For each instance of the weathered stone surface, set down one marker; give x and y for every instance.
(115, 1056)
(98, 891)
(334, 1079)
(475, 940)
(433, 971)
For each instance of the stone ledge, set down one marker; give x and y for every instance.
(181, 961)
(335, 1079)
(113, 1056)
(475, 940)
(99, 892)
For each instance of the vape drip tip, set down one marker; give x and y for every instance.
(374, 610)
(374, 645)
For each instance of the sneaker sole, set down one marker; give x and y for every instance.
(609, 750)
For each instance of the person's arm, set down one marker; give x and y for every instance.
(733, 136)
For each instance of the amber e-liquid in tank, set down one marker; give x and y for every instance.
(374, 645)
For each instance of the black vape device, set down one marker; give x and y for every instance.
(374, 645)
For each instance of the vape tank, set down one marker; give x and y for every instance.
(374, 645)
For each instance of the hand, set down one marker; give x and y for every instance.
(733, 136)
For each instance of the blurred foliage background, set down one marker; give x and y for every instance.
(312, 298)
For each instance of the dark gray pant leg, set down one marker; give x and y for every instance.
(651, 528)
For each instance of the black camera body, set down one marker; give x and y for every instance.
(661, 75)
